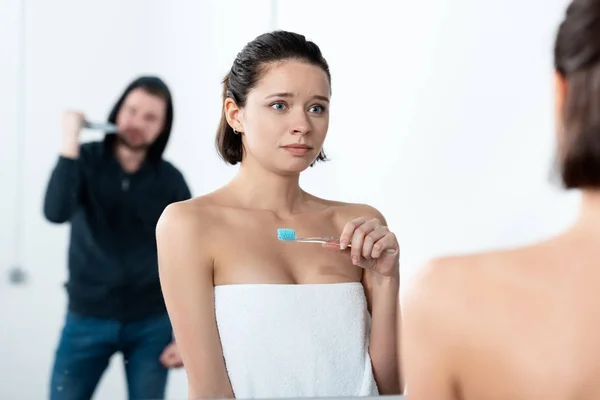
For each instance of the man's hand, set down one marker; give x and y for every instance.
(170, 357)
(72, 123)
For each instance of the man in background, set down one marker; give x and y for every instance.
(113, 192)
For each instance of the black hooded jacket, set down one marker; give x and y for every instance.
(113, 268)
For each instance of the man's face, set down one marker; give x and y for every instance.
(141, 119)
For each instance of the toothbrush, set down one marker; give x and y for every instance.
(289, 235)
(107, 127)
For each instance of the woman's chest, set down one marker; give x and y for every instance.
(247, 250)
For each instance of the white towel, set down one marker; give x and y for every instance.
(295, 340)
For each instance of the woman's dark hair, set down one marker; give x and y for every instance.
(577, 60)
(248, 68)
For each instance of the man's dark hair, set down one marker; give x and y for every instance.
(157, 87)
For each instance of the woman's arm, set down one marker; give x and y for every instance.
(382, 296)
(369, 237)
(186, 276)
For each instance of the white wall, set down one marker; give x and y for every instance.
(9, 65)
(81, 55)
(441, 118)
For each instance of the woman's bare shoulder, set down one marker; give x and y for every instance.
(348, 211)
(196, 215)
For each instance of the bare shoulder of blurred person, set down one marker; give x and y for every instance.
(473, 323)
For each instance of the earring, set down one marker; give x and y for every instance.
(235, 132)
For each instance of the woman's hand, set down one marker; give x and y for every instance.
(369, 244)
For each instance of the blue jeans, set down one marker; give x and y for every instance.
(87, 344)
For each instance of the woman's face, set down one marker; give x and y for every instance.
(286, 117)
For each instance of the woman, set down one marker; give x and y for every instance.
(524, 323)
(257, 317)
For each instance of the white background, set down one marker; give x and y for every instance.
(441, 118)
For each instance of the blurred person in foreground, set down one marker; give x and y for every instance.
(523, 323)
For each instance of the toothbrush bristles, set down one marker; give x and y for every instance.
(286, 234)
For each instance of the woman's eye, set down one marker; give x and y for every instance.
(278, 106)
(317, 109)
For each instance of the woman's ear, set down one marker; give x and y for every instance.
(232, 114)
(560, 96)
(560, 93)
